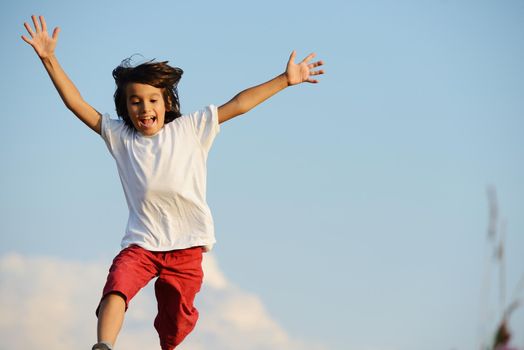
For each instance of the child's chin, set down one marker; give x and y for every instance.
(150, 130)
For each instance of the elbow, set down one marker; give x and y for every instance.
(241, 106)
(70, 106)
(74, 104)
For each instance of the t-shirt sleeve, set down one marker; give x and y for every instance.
(111, 132)
(206, 126)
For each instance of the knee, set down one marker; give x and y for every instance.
(113, 301)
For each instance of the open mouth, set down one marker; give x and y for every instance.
(147, 122)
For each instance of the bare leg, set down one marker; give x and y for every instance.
(110, 318)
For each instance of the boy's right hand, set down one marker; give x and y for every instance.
(43, 45)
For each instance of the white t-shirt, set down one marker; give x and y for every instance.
(164, 180)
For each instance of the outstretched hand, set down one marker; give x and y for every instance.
(43, 45)
(297, 73)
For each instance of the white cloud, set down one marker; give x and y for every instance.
(49, 303)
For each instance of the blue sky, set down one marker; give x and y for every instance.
(355, 209)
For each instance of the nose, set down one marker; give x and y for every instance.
(146, 107)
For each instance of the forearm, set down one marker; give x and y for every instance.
(70, 94)
(44, 47)
(65, 87)
(255, 95)
(251, 97)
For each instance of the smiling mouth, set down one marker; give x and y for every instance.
(147, 122)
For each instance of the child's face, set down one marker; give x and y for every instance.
(146, 107)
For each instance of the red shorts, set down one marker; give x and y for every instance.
(180, 277)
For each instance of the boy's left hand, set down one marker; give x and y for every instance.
(302, 72)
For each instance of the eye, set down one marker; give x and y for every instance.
(154, 101)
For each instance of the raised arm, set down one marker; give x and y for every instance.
(44, 47)
(295, 73)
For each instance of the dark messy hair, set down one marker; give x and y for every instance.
(503, 335)
(157, 74)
